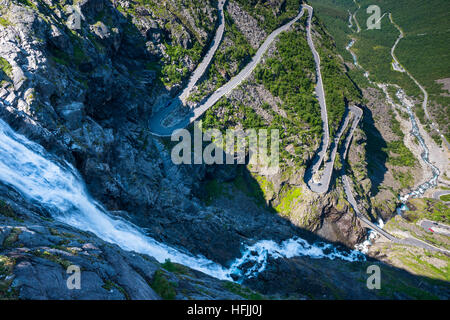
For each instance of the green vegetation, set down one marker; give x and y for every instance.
(173, 70)
(6, 210)
(406, 179)
(250, 187)
(231, 117)
(175, 267)
(6, 269)
(284, 76)
(420, 264)
(12, 238)
(76, 59)
(404, 157)
(55, 232)
(163, 287)
(264, 14)
(389, 289)
(213, 189)
(373, 48)
(338, 87)
(445, 197)
(172, 13)
(288, 199)
(244, 292)
(52, 257)
(422, 51)
(244, 182)
(240, 53)
(4, 22)
(27, 3)
(426, 208)
(6, 67)
(399, 154)
(334, 15)
(109, 285)
(266, 186)
(230, 58)
(288, 75)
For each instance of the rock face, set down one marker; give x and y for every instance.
(247, 25)
(82, 79)
(85, 93)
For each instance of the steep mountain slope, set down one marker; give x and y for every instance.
(387, 160)
(83, 78)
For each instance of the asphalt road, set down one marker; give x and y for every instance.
(156, 122)
(437, 194)
(435, 226)
(400, 68)
(407, 241)
(425, 224)
(357, 115)
(318, 159)
(157, 127)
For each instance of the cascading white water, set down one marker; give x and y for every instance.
(25, 166)
(58, 187)
(432, 182)
(256, 257)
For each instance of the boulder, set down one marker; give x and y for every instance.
(73, 113)
(60, 40)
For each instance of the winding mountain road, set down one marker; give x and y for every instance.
(157, 126)
(321, 186)
(396, 65)
(357, 115)
(156, 123)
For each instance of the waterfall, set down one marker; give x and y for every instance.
(57, 186)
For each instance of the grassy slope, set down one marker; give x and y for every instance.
(424, 50)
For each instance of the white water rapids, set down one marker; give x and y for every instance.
(432, 182)
(58, 187)
(408, 105)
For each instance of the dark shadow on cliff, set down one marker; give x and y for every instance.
(375, 151)
(217, 236)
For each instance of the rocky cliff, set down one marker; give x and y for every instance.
(83, 77)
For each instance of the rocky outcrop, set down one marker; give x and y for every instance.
(36, 253)
(82, 79)
(247, 25)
